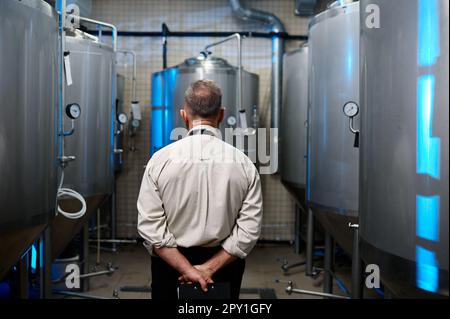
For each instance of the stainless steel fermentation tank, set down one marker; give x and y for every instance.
(294, 115)
(169, 86)
(92, 143)
(332, 158)
(404, 144)
(28, 139)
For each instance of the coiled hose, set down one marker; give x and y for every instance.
(67, 192)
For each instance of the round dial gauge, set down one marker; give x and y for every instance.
(135, 123)
(122, 118)
(73, 111)
(231, 121)
(351, 109)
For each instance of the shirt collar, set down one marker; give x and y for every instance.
(215, 131)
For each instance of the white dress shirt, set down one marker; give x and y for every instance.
(200, 191)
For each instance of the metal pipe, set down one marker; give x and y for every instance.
(97, 273)
(314, 293)
(77, 294)
(164, 32)
(205, 34)
(61, 7)
(238, 38)
(277, 62)
(108, 25)
(133, 83)
(328, 264)
(310, 244)
(257, 15)
(356, 290)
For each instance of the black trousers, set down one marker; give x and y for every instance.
(165, 278)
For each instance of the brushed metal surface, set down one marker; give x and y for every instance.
(390, 182)
(93, 67)
(294, 116)
(28, 104)
(334, 80)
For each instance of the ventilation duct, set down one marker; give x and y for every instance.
(305, 7)
(276, 26)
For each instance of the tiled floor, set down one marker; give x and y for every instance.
(262, 270)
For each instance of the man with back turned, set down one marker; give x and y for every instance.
(200, 203)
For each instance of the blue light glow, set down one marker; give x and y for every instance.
(427, 219)
(350, 60)
(275, 45)
(157, 132)
(171, 110)
(157, 120)
(427, 270)
(157, 100)
(429, 50)
(163, 112)
(33, 258)
(428, 147)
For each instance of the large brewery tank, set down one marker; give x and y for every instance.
(169, 86)
(92, 143)
(405, 145)
(332, 158)
(294, 115)
(28, 95)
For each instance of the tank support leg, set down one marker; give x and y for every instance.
(310, 244)
(356, 292)
(85, 256)
(20, 279)
(45, 264)
(328, 264)
(114, 218)
(298, 238)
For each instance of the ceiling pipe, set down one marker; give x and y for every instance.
(277, 62)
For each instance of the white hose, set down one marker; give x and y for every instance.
(62, 192)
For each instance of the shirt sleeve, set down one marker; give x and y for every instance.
(247, 229)
(152, 223)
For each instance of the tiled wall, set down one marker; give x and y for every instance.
(193, 15)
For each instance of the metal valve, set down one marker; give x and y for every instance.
(64, 160)
(353, 226)
(290, 285)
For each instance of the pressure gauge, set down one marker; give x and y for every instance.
(122, 118)
(73, 111)
(135, 123)
(231, 121)
(351, 109)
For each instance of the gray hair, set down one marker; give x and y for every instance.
(203, 98)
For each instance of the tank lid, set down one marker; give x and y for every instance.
(209, 62)
(40, 5)
(336, 8)
(79, 35)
